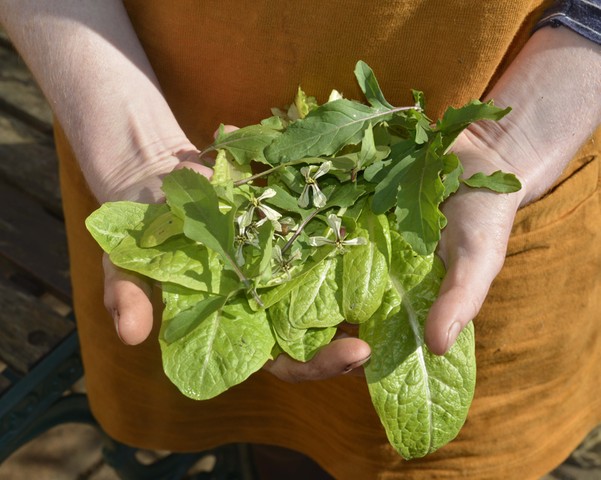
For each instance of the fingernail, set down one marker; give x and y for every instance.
(452, 334)
(356, 364)
(116, 320)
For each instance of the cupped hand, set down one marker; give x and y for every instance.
(127, 298)
(472, 245)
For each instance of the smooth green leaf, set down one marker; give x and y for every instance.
(498, 181)
(418, 216)
(246, 144)
(370, 87)
(324, 131)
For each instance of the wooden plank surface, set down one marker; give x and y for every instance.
(34, 240)
(27, 155)
(30, 329)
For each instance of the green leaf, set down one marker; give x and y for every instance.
(303, 103)
(407, 267)
(455, 120)
(226, 172)
(186, 321)
(162, 228)
(450, 174)
(313, 303)
(246, 144)
(324, 131)
(419, 98)
(365, 269)
(258, 259)
(390, 177)
(498, 181)
(421, 192)
(270, 296)
(370, 87)
(222, 351)
(422, 399)
(114, 221)
(177, 260)
(193, 199)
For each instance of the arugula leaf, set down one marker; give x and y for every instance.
(192, 198)
(498, 181)
(246, 144)
(370, 87)
(418, 216)
(450, 174)
(324, 131)
(455, 120)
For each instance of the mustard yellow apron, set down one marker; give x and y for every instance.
(538, 335)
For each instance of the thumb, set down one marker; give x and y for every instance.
(127, 298)
(461, 296)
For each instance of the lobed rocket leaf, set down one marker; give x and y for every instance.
(498, 181)
(324, 131)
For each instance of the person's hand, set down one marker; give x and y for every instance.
(127, 299)
(472, 246)
(553, 86)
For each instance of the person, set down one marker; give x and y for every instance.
(138, 86)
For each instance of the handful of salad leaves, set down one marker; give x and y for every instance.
(339, 225)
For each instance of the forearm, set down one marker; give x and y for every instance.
(101, 87)
(554, 87)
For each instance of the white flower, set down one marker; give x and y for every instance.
(311, 174)
(268, 213)
(335, 224)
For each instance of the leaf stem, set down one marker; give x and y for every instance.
(300, 229)
(254, 177)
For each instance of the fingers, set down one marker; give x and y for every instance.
(339, 357)
(127, 298)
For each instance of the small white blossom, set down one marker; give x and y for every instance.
(311, 174)
(335, 224)
(268, 213)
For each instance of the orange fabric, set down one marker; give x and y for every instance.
(538, 337)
